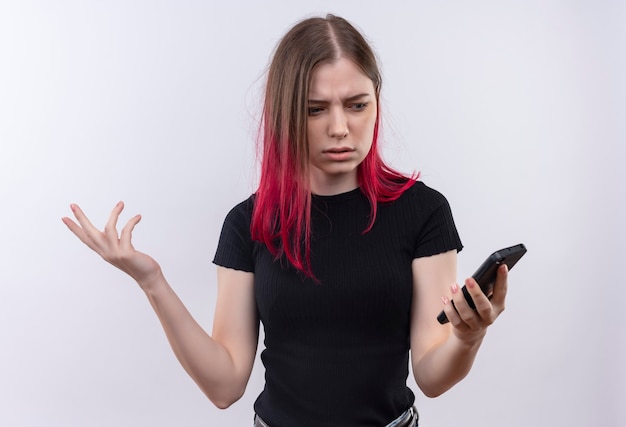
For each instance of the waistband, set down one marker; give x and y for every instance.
(408, 419)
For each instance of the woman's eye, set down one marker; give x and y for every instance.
(315, 110)
(359, 106)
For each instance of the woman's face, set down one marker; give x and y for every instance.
(340, 127)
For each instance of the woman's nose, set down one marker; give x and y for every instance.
(338, 126)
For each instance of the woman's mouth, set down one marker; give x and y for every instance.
(339, 153)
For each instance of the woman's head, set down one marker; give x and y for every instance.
(308, 44)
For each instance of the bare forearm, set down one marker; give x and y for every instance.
(221, 367)
(205, 360)
(445, 365)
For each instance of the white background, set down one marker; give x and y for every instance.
(515, 110)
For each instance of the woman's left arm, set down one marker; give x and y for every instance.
(442, 355)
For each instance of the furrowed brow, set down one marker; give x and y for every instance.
(357, 97)
(349, 99)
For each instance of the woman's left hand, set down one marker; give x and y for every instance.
(468, 324)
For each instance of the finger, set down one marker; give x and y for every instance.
(480, 300)
(474, 317)
(460, 322)
(81, 217)
(450, 311)
(464, 312)
(74, 228)
(501, 287)
(80, 229)
(127, 233)
(91, 236)
(110, 229)
(483, 307)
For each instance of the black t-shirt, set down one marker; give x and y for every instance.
(337, 352)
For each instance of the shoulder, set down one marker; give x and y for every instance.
(242, 211)
(434, 221)
(423, 196)
(237, 222)
(234, 248)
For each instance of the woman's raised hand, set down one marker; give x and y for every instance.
(115, 248)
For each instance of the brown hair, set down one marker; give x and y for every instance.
(281, 217)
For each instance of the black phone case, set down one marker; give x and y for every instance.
(485, 276)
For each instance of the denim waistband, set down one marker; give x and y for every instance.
(409, 418)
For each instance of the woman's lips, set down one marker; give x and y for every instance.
(339, 153)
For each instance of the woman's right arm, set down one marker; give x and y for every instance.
(220, 364)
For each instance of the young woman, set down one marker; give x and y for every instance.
(345, 261)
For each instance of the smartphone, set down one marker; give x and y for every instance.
(485, 276)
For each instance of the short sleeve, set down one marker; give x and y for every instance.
(438, 233)
(235, 246)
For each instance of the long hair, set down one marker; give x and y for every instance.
(281, 217)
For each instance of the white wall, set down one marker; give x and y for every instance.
(513, 109)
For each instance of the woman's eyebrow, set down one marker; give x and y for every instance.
(349, 99)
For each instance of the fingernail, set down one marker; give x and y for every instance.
(73, 207)
(445, 300)
(454, 288)
(470, 284)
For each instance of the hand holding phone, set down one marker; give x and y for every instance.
(486, 274)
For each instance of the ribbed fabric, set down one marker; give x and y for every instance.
(337, 352)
